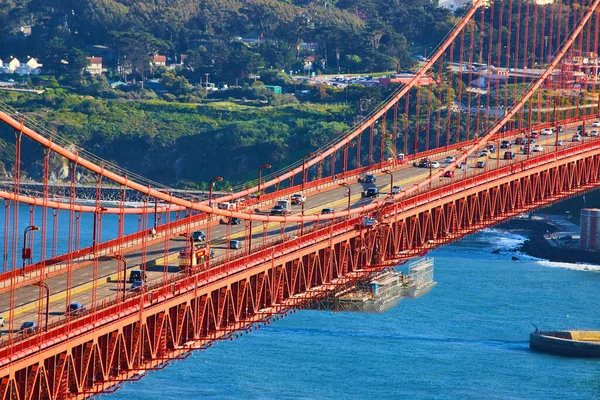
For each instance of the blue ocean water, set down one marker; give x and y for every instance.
(110, 226)
(467, 339)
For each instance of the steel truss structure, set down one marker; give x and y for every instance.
(120, 340)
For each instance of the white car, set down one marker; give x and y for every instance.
(298, 198)
(595, 132)
(537, 147)
(1, 321)
(396, 189)
(435, 164)
(576, 138)
(449, 159)
(596, 124)
(547, 131)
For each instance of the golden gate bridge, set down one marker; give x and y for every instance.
(509, 70)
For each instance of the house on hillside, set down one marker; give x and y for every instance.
(308, 63)
(159, 61)
(94, 65)
(31, 67)
(11, 65)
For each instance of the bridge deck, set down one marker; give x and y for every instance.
(333, 196)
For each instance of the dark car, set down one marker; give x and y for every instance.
(520, 141)
(505, 144)
(370, 192)
(480, 164)
(277, 210)
(137, 275)
(509, 155)
(136, 286)
(199, 236)
(76, 309)
(235, 244)
(368, 179)
(327, 211)
(230, 221)
(28, 327)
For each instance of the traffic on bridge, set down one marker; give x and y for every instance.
(417, 173)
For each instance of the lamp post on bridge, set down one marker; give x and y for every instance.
(304, 177)
(26, 252)
(388, 172)
(347, 186)
(211, 183)
(47, 289)
(345, 161)
(556, 126)
(96, 212)
(121, 258)
(260, 168)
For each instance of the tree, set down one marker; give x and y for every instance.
(135, 50)
(176, 85)
(242, 62)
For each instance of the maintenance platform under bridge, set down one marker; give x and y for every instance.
(384, 291)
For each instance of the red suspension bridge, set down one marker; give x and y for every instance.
(514, 94)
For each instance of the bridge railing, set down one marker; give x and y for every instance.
(135, 239)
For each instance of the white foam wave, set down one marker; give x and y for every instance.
(571, 266)
(500, 239)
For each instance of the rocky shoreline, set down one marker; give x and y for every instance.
(537, 246)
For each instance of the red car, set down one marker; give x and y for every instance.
(449, 174)
(534, 135)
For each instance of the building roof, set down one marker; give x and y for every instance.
(94, 60)
(162, 59)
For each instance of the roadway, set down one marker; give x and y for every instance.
(336, 197)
